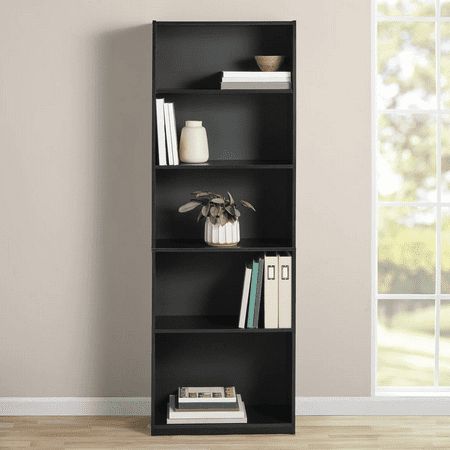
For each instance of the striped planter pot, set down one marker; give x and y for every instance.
(217, 235)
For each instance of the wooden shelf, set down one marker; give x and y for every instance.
(246, 245)
(230, 164)
(221, 91)
(207, 324)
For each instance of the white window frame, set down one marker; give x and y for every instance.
(438, 204)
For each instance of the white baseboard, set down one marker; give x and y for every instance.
(74, 406)
(373, 406)
(305, 406)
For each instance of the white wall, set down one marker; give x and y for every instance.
(75, 202)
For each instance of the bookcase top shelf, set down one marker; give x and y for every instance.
(222, 91)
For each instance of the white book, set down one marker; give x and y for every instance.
(271, 292)
(245, 293)
(205, 413)
(255, 85)
(168, 137)
(160, 132)
(173, 134)
(255, 79)
(284, 291)
(255, 74)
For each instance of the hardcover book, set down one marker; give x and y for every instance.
(173, 417)
(258, 293)
(252, 298)
(206, 394)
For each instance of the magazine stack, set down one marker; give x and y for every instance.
(206, 405)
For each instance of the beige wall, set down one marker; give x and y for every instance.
(74, 191)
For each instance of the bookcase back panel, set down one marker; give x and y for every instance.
(269, 191)
(200, 284)
(248, 127)
(258, 365)
(193, 56)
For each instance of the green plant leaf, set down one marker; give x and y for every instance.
(219, 201)
(230, 198)
(188, 206)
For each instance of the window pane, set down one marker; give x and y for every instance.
(444, 344)
(406, 250)
(445, 256)
(406, 65)
(445, 157)
(406, 158)
(445, 7)
(445, 65)
(405, 345)
(406, 7)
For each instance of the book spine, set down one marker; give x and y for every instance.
(173, 134)
(168, 138)
(160, 132)
(258, 293)
(255, 85)
(270, 292)
(255, 80)
(254, 74)
(245, 295)
(208, 414)
(285, 291)
(252, 297)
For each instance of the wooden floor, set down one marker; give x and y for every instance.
(312, 433)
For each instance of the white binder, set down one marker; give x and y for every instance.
(271, 292)
(285, 291)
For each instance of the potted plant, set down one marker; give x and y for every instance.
(221, 217)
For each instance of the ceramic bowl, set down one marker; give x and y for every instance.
(269, 63)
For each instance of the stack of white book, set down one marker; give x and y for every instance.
(268, 282)
(255, 80)
(206, 405)
(167, 133)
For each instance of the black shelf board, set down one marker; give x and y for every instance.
(246, 245)
(207, 324)
(221, 91)
(261, 419)
(230, 164)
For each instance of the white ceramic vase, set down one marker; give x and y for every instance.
(217, 235)
(194, 143)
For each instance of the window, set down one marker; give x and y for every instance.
(412, 163)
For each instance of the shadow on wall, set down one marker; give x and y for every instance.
(123, 312)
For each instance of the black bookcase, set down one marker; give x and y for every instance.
(196, 290)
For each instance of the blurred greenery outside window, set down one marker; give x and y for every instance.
(413, 194)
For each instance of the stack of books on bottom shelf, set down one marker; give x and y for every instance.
(206, 405)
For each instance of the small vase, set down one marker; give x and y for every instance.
(217, 235)
(193, 143)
